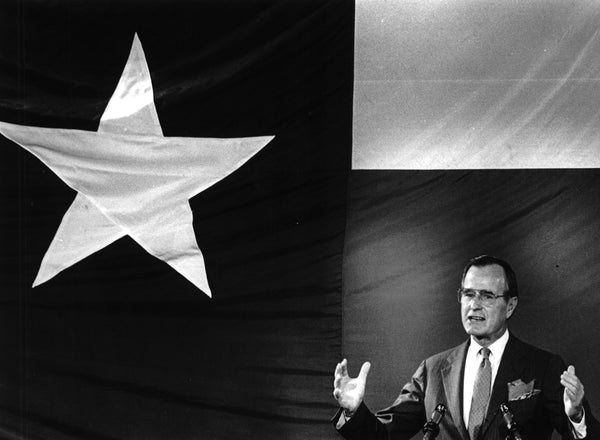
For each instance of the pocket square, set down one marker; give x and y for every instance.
(519, 390)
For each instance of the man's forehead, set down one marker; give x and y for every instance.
(482, 277)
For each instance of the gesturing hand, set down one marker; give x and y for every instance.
(573, 395)
(348, 391)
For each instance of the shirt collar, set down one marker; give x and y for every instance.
(496, 348)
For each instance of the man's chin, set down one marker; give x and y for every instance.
(473, 331)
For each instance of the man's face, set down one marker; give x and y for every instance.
(486, 323)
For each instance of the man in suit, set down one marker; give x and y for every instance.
(472, 380)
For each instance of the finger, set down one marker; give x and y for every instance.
(364, 371)
(570, 382)
(571, 396)
(569, 373)
(575, 394)
(571, 369)
(344, 367)
(336, 374)
(339, 377)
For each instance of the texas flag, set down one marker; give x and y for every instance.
(218, 200)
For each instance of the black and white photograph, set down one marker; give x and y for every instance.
(299, 219)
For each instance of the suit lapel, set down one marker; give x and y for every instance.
(510, 368)
(452, 377)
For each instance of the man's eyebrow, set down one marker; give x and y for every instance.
(481, 291)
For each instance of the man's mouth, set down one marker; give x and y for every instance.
(476, 318)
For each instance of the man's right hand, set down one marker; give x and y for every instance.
(348, 391)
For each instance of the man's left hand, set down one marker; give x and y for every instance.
(573, 395)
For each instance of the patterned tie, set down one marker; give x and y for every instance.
(481, 394)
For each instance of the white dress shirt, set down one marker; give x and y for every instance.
(471, 365)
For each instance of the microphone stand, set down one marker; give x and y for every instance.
(513, 428)
(432, 428)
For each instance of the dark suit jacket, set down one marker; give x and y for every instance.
(439, 379)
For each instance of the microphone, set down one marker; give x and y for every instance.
(513, 428)
(432, 428)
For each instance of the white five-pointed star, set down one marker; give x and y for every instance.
(130, 179)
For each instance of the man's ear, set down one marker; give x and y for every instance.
(511, 306)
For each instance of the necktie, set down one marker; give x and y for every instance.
(481, 393)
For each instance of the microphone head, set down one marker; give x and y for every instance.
(507, 416)
(431, 428)
(438, 413)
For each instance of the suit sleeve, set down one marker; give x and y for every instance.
(400, 421)
(554, 405)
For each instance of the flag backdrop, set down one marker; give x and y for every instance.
(120, 346)
(446, 95)
(476, 130)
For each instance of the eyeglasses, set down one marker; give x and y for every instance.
(486, 298)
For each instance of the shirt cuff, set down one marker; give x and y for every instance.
(579, 429)
(342, 420)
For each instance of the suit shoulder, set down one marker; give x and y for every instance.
(536, 353)
(443, 356)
